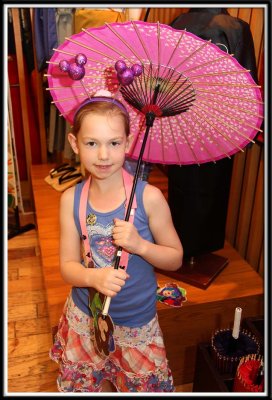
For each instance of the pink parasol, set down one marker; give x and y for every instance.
(207, 105)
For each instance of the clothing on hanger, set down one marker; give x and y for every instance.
(222, 28)
(59, 127)
(64, 23)
(198, 195)
(90, 17)
(46, 37)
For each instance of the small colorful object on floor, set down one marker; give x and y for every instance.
(171, 294)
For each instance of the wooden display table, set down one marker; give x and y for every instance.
(183, 328)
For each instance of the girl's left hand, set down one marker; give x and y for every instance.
(126, 235)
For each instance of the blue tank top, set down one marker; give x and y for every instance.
(135, 304)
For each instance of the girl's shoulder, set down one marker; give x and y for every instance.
(152, 197)
(69, 194)
(152, 192)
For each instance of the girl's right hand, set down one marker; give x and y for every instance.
(108, 281)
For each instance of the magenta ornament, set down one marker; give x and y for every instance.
(64, 65)
(76, 72)
(126, 77)
(80, 59)
(137, 69)
(120, 66)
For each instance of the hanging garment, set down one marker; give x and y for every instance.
(219, 26)
(90, 17)
(64, 23)
(65, 28)
(133, 14)
(26, 34)
(198, 195)
(46, 37)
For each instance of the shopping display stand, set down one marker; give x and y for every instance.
(207, 377)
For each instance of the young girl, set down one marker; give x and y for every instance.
(101, 138)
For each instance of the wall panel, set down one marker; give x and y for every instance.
(248, 199)
(245, 222)
(254, 247)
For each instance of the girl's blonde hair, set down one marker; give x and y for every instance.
(101, 106)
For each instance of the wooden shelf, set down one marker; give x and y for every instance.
(183, 328)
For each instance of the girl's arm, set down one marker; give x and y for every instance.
(106, 280)
(167, 252)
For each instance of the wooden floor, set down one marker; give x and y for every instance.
(29, 335)
(29, 338)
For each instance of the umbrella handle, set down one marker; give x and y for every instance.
(106, 306)
(150, 117)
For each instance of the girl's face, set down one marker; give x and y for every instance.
(101, 144)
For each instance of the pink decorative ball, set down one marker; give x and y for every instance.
(64, 65)
(120, 66)
(80, 59)
(76, 72)
(137, 69)
(126, 77)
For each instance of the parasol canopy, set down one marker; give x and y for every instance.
(206, 105)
